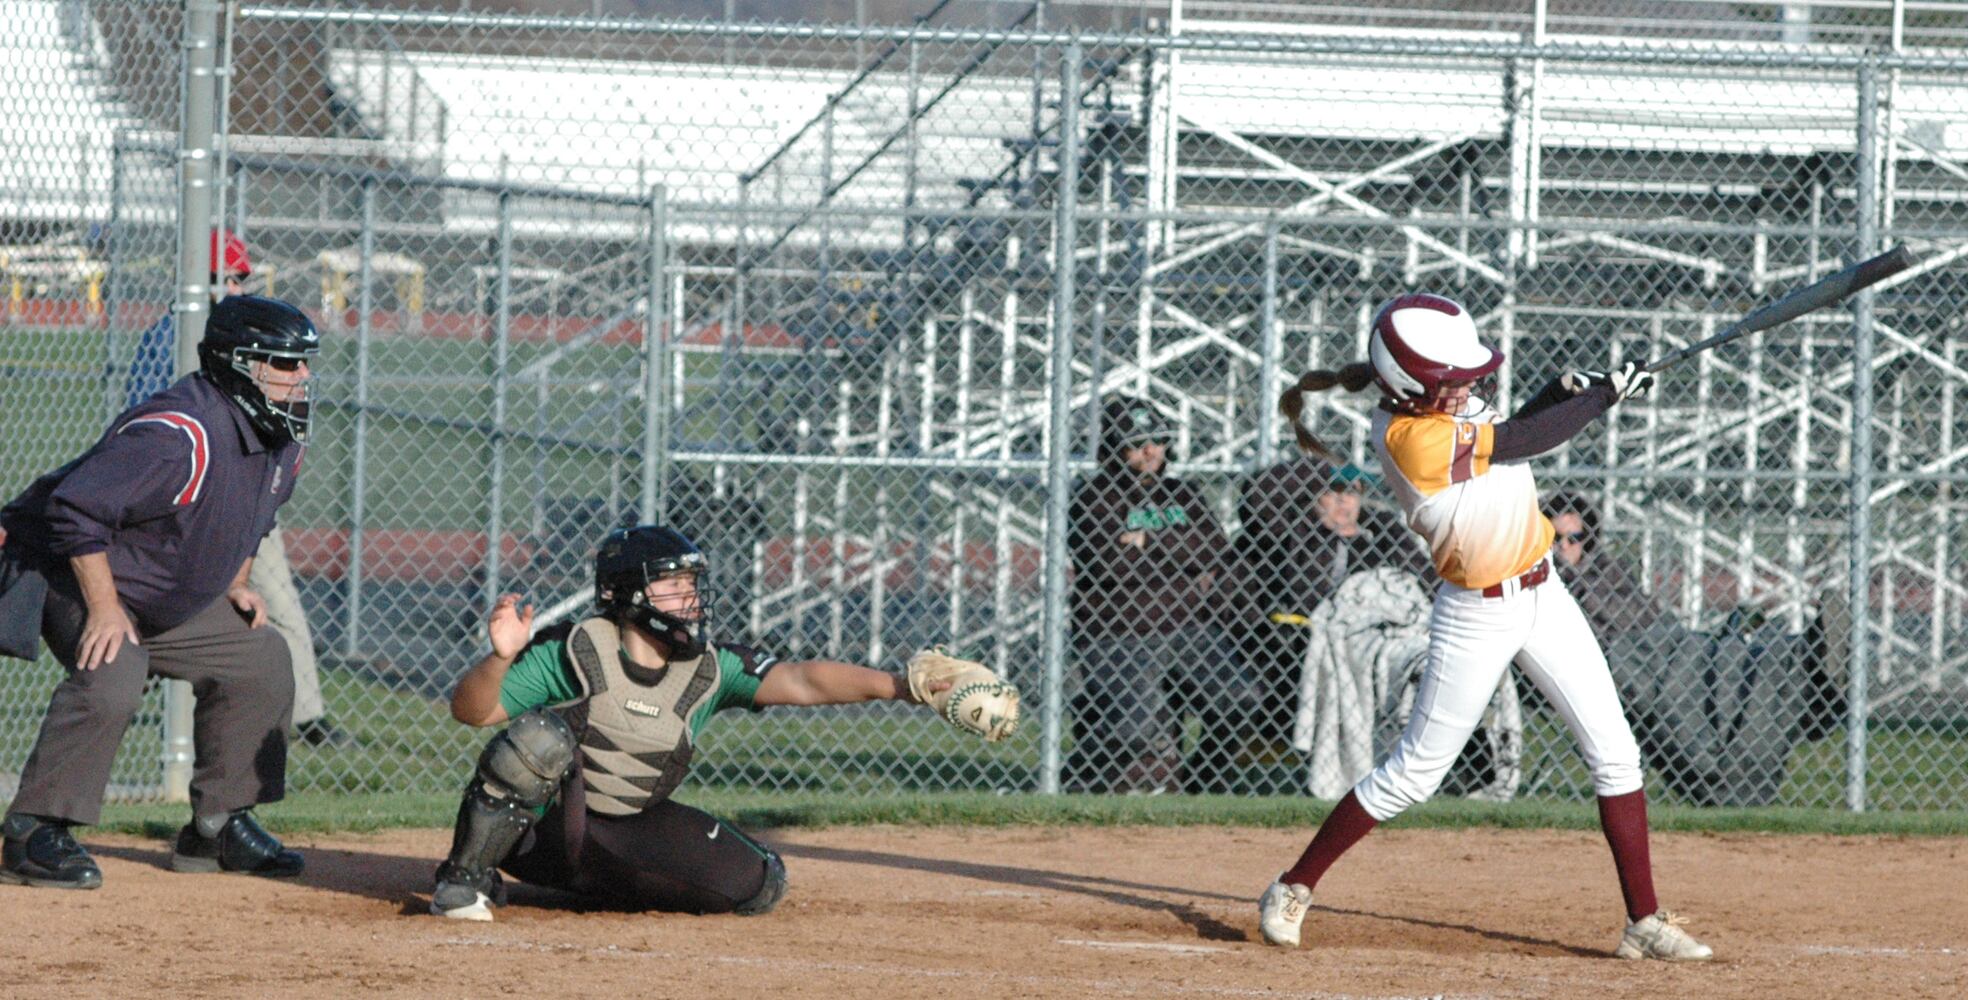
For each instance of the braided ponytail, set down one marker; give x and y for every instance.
(1352, 377)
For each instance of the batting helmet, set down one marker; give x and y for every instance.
(629, 559)
(1421, 341)
(244, 329)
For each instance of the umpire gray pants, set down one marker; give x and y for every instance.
(245, 691)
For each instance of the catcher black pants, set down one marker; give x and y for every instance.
(669, 857)
(245, 691)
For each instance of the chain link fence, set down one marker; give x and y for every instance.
(882, 316)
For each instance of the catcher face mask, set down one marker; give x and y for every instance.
(674, 605)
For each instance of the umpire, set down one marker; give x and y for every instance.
(133, 561)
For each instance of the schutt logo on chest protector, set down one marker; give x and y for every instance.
(643, 708)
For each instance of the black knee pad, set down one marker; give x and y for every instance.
(770, 893)
(528, 759)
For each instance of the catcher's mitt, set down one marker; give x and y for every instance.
(975, 701)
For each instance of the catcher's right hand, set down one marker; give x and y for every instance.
(967, 694)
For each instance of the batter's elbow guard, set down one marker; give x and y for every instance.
(770, 893)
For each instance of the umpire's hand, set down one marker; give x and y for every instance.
(250, 603)
(102, 635)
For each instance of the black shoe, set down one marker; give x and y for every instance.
(42, 853)
(242, 846)
(327, 735)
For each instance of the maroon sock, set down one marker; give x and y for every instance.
(1342, 829)
(1624, 819)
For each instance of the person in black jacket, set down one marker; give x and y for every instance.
(1305, 530)
(1151, 581)
(131, 561)
(1607, 589)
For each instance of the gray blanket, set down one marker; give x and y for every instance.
(1368, 644)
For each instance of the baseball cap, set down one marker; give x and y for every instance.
(1351, 477)
(231, 251)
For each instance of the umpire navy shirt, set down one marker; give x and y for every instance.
(179, 491)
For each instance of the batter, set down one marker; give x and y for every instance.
(1459, 474)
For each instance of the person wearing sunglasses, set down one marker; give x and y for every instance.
(153, 369)
(1607, 589)
(132, 562)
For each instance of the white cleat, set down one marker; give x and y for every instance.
(450, 904)
(1281, 910)
(1660, 936)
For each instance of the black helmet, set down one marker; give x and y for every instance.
(248, 328)
(625, 564)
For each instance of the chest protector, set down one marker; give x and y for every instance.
(634, 722)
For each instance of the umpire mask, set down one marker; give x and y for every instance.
(633, 563)
(254, 350)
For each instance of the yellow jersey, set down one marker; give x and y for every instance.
(1481, 521)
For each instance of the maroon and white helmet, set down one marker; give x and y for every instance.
(1420, 341)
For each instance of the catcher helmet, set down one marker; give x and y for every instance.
(1421, 341)
(244, 329)
(629, 560)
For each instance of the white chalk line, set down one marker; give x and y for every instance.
(1087, 987)
(1178, 949)
(1873, 952)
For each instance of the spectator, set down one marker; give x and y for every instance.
(1305, 530)
(1150, 590)
(1607, 590)
(1717, 713)
(151, 371)
(133, 561)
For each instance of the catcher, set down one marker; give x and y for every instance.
(600, 718)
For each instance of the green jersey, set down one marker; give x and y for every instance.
(542, 676)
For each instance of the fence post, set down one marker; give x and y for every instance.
(656, 366)
(239, 195)
(359, 452)
(197, 93)
(113, 280)
(1269, 384)
(1058, 472)
(1860, 491)
(501, 348)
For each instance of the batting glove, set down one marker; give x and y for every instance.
(1627, 381)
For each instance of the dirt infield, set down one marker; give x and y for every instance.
(1031, 912)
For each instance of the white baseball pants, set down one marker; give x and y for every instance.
(1472, 640)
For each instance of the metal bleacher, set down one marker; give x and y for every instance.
(60, 121)
(768, 163)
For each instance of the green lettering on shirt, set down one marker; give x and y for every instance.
(1155, 518)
